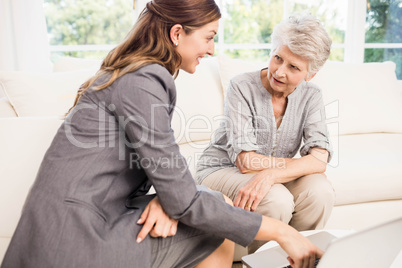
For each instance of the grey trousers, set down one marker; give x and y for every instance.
(305, 203)
(187, 248)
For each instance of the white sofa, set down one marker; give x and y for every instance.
(364, 113)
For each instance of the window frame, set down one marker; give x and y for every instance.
(354, 45)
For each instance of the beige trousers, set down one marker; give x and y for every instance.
(305, 203)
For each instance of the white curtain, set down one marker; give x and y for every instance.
(24, 44)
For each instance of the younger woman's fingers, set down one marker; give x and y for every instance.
(173, 229)
(145, 230)
(144, 215)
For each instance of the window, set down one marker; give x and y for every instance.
(383, 35)
(87, 28)
(247, 24)
(361, 30)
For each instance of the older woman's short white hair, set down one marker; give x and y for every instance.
(305, 36)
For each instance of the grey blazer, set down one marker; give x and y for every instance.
(115, 144)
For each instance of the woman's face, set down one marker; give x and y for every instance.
(194, 46)
(286, 71)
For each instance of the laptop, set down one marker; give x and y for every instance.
(375, 247)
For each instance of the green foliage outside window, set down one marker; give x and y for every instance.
(88, 22)
(384, 25)
(100, 22)
(252, 22)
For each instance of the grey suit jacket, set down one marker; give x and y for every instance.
(110, 149)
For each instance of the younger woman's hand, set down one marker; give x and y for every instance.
(302, 253)
(251, 194)
(156, 222)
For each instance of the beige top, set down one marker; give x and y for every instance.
(249, 125)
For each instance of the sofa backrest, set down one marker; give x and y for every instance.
(199, 104)
(42, 94)
(198, 108)
(358, 98)
(363, 97)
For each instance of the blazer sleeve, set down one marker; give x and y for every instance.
(143, 107)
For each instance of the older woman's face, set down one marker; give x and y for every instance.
(286, 71)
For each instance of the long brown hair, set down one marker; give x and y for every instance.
(149, 39)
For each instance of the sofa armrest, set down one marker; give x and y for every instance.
(23, 143)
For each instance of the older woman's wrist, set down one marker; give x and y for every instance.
(270, 175)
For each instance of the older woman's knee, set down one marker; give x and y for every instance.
(320, 190)
(277, 204)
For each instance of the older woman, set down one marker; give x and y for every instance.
(267, 114)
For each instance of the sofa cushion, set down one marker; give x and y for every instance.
(366, 95)
(5, 107)
(367, 168)
(2, 93)
(228, 68)
(364, 215)
(42, 94)
(199, 103)
(6, 110)
(23, 146)
(192, 152)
